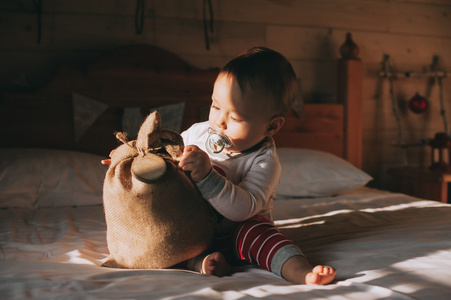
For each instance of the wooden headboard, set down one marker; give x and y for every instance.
(133, 76)
(146, 76)
(334, 128)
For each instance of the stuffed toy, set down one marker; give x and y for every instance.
(155, 216)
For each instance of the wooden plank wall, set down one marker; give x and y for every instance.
(308, 32)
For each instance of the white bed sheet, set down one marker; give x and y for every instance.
(384, 246)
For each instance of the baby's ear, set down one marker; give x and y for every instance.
(275, 125)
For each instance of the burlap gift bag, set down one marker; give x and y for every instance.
(155, 215)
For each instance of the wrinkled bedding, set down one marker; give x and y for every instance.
(384, 246)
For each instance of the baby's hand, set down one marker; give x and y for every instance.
(107, 161)
(196, 161)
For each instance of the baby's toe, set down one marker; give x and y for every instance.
(320, 275)
(326, 270)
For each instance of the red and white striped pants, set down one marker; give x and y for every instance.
(257, 240)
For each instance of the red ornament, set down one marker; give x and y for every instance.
(418, 104)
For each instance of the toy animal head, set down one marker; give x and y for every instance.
(155, 215)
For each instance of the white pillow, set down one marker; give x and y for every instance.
(50, 178)
(312, 173)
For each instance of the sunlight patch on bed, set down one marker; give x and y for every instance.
(416, 204)
(270, 290)
(294, 223)
(415, 268)
(300, 222)
(78, 257)
(371, 282)
(364, 290)
(437, 260)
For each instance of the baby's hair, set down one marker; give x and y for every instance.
(268, 71)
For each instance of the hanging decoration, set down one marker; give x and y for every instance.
(441, 144)
(418, 104)
(436, 71)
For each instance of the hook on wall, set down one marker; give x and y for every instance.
(38, 6)
(139, 16)
(208, 23)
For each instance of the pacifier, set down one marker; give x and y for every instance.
(216, 142)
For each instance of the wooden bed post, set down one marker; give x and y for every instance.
(350, 95)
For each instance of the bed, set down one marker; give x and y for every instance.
(52, 227)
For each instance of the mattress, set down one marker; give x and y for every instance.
(53, 241)
(383, 245)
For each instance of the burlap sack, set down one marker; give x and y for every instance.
(155, 215)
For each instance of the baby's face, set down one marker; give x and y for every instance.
(243, 118)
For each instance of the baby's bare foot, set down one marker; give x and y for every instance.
(216, 264)
(298, 270)
(320, 275)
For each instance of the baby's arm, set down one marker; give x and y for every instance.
(235, 201)
(239, 202)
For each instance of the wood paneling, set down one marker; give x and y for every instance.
(308, 32)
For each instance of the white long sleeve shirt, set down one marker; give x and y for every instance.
(240, 185)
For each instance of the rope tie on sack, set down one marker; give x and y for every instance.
(122, 137)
